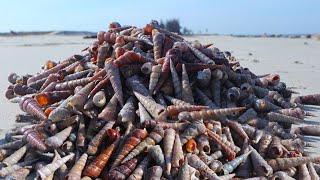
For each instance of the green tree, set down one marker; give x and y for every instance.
(173, 25)
(161, 24)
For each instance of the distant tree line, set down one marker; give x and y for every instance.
(173, 25)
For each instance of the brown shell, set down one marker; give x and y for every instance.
(95, 167)
(70, 85)
(97, 140)
(208, 114)
(196, 162)
(20, 89)
(156, 110)
(136, 136)
(76, 171)
(33, 138)
(48, 72)
(30, 106)
(123, 171)
(78, 100)
(229, 153)
(109, 112)
(47, 98)
(158, 41)
(153, 138)
(114, 75)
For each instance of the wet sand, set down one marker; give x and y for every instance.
(297, 61)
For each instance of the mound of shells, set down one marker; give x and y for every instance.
(144, 103)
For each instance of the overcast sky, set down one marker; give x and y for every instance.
(224, 16)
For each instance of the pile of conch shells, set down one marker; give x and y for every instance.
(144, 103)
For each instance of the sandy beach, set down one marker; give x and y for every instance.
(295, 60)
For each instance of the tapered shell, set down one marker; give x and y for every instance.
(123, 171)
(303, 172)
(16, 156)
(153, 173)
(281, 118)
(18, 174)
(48, 72)
(156, 110)
(312, 172)
(109, 112)
(97, 140)
(275, 149)
(227, 151)
(285, 163)
(127, 113)
(309, 99)
(47, 98)
(32, 137)
(153, 138)
(208, 114)
(20, 89)
(176, 81)
(135, 83)
(52, 167)
(80, 98)
(154, 77)
(29, 105)
(174, 110)
(262, 105)
(264, 144)
(5, 153)
(191, 131)
(156, 153)
(138, 173)
(205, 99)
(261, 167)
(81, 136)
(196, 162)
(169, 138)
(203, 58)
(186, 93)
(136, 136)
(184, 172)
(177, 102)
(70, 85)
(158, 41)
(76, 171)
(177, 152)
(249, 114)
(12, 145)
(294, 112)
(58, 139)
(245, 168)
(129, 57)
(95, 167)
(230, 166)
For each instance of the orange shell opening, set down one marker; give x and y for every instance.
(111, 26)
(191, 146)
(148, 28)
(48, 111)
(42, 99)
(50, 64)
